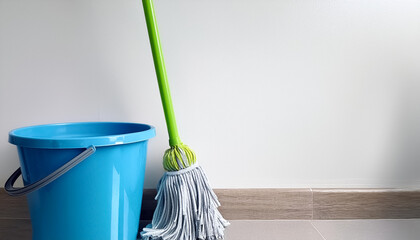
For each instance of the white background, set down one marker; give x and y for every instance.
(268, 93)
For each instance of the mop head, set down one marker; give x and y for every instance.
(186, 204)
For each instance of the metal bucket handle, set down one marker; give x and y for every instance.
(12, 191)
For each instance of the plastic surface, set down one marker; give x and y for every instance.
(100, 198)
(161, 75)
(80, 135)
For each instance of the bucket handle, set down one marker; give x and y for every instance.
(12, 191)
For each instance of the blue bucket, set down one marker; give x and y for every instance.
(82, 180)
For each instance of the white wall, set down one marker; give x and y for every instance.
(268, 93)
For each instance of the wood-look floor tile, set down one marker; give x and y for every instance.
(267, 204)
(13, 207)
(148, 204)
(251, 203)
(15, 229)
(365, 203)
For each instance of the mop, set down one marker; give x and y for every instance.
(186, 204)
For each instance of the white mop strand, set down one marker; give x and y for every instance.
(186, 208)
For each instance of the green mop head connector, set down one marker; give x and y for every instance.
(186, 204)
(178, 157)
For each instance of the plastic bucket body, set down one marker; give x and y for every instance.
(100, 198)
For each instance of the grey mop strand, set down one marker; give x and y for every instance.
(186, 208)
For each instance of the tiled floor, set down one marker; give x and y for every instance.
(382, 229)
(271, 230)
(369, 229)
(401, 229)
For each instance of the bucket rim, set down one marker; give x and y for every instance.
(134, 132)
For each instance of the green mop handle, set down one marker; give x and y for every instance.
(165, 94)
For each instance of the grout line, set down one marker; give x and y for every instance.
(318, 231)
(312, 196)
